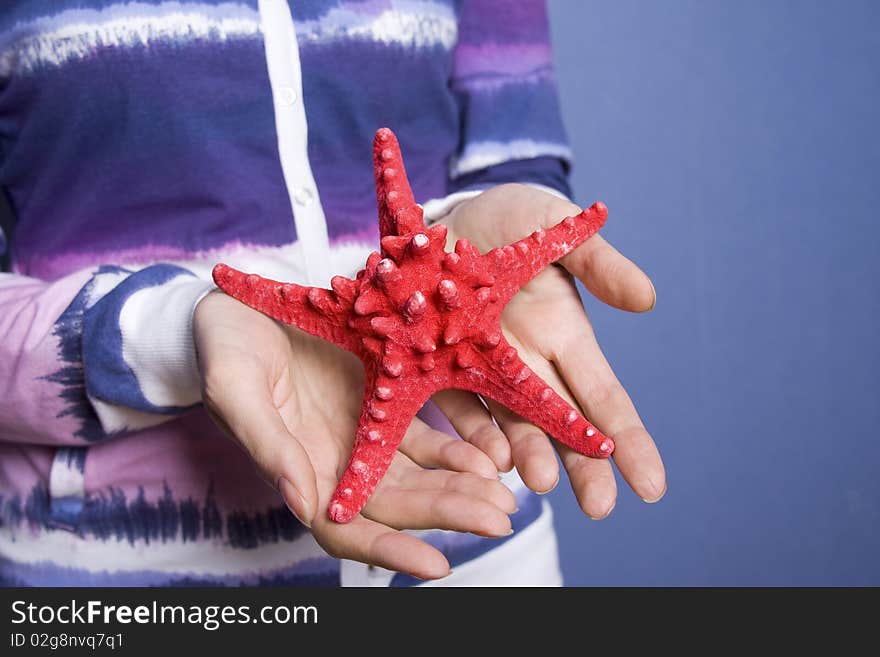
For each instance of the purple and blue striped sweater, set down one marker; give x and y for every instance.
(140, 143)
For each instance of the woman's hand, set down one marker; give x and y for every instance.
(546, 322)
(292, 402)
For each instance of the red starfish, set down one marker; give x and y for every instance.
(424, 320)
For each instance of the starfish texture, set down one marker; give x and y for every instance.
(421, 320)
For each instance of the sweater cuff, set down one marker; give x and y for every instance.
(437, 208)
(138, 351)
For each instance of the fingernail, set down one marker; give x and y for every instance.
(295, 502)
(654, 292)
(516, 510)
(550, 490)
(607, 513)
(655, 499)
(502, 534)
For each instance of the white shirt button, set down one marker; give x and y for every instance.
(303, 196)
(286, 96)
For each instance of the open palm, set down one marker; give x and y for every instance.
(546, 322)
(292, 402)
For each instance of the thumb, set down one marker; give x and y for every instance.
(610, 276)
(606, 273)
(253, 420)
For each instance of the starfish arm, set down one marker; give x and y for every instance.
(387, 412)
(505, 378)
(317, 311)
(399, 214)
(516, 264)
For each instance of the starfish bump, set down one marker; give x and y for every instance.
(421, 320)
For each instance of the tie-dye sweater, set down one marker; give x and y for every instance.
(140, 143)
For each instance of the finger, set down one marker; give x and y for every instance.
(590, 378)
(490, 490)
(434, 449)
(612, 277)
(531, 450)
(368, 541)
(437, 509)
(474, 423)
(397, 504)
(247, 411)
(592, 482)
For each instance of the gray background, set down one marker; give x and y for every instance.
(736, 145)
